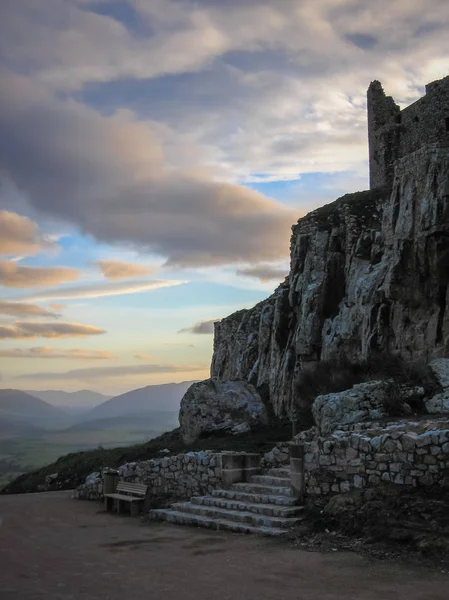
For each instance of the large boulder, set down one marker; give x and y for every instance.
(440, 371)
(214, 405)
(364, 401)
(438, 403)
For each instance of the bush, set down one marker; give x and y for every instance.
(332, 376)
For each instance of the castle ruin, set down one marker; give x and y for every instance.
(394, 133)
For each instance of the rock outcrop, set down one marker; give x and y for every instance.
(364, 401)
(215, 405)
(369, 273)
(440, 402)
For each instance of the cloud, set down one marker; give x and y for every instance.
(115, 269)
(101, 289)
(202, 327)
(56, 305)
(117, 187)
(17, 276)
(22, 309)
(22, 330)
(187, 37)
(20, 235)
(113, 372)
(269, 90)
(263, 272)
(49, 352)
(143, 357)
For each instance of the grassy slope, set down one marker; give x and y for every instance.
(73, 468)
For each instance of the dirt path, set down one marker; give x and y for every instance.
(56, 548)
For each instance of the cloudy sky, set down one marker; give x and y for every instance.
(154, 154)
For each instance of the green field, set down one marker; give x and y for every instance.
(19, 454)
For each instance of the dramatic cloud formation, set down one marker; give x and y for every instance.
(113, 372)
(164, 129)
(263, 272)
(20, 235)
(22, 330)
(283, 94)
(117, 187)
(202, 327)
(16, 276)
(115, 269)
(101, 289)
(22, 309)
(49, 352)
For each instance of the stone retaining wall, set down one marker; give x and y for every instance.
(180, 476)
(279, 456)
(365, 455)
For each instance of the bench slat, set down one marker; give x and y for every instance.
(133, 488)
(121, 497)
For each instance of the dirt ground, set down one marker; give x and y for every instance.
(56, 548)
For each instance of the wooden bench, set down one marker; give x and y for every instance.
(134, 493)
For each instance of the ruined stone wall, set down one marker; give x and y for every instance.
(365, 455)
(393, 133)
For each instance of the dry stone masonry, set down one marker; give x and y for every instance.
(409, 453)
(177, 476)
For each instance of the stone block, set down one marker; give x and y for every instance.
(395, 467)
(358, 481)
(408, 442)
(344, 486)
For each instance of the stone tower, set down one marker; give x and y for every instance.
(394, 133)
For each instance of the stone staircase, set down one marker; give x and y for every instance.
(264, 505)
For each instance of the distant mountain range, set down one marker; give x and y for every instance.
(166, 397)
(26, 412)
(20, 410)
(83, 399)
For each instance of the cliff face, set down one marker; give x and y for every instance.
(369, 272)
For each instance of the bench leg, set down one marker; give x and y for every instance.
(118, 506)
(134, 509)
(106, 503)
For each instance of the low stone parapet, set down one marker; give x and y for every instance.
(402, 453)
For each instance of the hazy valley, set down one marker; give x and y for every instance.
(39, 426)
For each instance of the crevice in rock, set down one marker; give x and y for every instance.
(396, 206)
(442, 291)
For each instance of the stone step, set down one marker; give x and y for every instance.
(255, 498)
(270, 480)
(182, 518)
(254, 519)
(279, 472)
(257, 488)
(270, 510)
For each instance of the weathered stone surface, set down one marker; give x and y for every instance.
(440, 370)
(350, 406)
(368, 273)
(438, 403)
(339, 463)
(214, 405)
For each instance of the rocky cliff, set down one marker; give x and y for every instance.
(368, 273)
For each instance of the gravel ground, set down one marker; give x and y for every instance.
(56, 548)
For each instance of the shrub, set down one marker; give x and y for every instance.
(332, 376)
